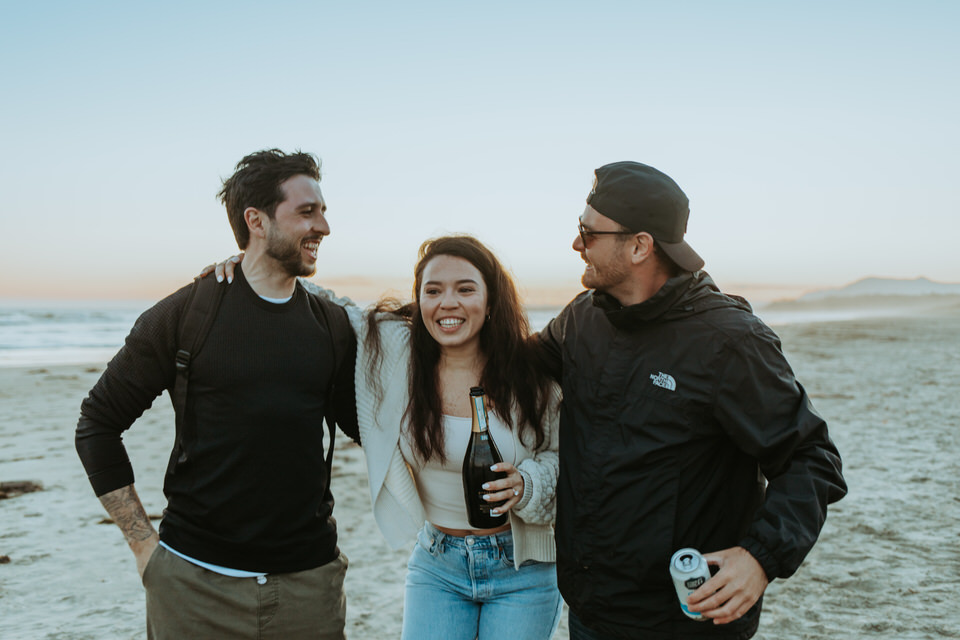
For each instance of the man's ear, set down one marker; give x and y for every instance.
(642, 247)
(254, 219)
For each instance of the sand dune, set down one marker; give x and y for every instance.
(897, 304)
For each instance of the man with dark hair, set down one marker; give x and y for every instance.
(682, 425)
(257, 183)
(248, 544)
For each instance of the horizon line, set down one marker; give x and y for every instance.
(368, 289)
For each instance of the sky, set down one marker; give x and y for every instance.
(817, 141)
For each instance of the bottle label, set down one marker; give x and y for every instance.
(484, 506)
(481, 413)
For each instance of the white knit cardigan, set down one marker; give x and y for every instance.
(393, 492)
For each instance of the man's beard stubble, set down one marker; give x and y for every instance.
(287, 254)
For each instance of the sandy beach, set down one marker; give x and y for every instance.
(887, 564)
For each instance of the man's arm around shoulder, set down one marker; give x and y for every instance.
(546, 347)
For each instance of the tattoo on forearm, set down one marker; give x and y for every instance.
(127, 511)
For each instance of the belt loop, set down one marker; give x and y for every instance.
(436, 537)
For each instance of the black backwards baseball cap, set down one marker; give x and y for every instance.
(644, 199)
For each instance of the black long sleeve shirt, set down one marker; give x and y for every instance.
(254, 492)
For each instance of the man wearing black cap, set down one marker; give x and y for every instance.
(682, 426)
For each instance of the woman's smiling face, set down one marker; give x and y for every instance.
(453, 302)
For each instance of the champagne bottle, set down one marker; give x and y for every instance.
(481, 454)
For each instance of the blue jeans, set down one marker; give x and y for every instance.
(466, 588)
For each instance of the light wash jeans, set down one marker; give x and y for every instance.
(466, 588)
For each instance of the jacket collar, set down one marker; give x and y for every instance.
(683, 295)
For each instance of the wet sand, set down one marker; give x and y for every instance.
(887, 564)
(888, 561)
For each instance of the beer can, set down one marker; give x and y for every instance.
(689, 570)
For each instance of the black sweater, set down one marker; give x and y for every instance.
(254, 491)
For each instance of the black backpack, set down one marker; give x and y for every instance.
(200, 311)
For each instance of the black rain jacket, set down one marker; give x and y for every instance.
(682, 425)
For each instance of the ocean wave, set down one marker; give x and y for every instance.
(63, 332)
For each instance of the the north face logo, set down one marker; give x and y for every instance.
(664, 381)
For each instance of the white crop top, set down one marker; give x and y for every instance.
(440, 485)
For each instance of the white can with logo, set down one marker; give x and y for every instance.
(689, 570)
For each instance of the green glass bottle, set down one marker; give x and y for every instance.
(481, 454)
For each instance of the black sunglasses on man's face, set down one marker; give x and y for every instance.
(586, 233)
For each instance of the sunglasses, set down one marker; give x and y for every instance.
(586, 233)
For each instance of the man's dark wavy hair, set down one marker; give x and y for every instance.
(256, 183)
(510, 378)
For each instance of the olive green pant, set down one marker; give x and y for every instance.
(187, 601)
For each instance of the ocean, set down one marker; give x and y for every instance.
(36, 333)
(46, 333)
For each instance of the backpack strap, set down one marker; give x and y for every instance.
(200, 311)
(342, 344)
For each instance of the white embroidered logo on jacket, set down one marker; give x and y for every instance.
(664, 381)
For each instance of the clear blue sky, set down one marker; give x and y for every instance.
(817, 141)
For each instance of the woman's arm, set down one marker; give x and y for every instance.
(538, 504)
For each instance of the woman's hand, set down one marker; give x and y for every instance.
(223, 269)
(509, 488)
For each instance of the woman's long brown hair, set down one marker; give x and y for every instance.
(510, 377)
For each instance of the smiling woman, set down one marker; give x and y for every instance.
(417, 364)
(453, 303)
